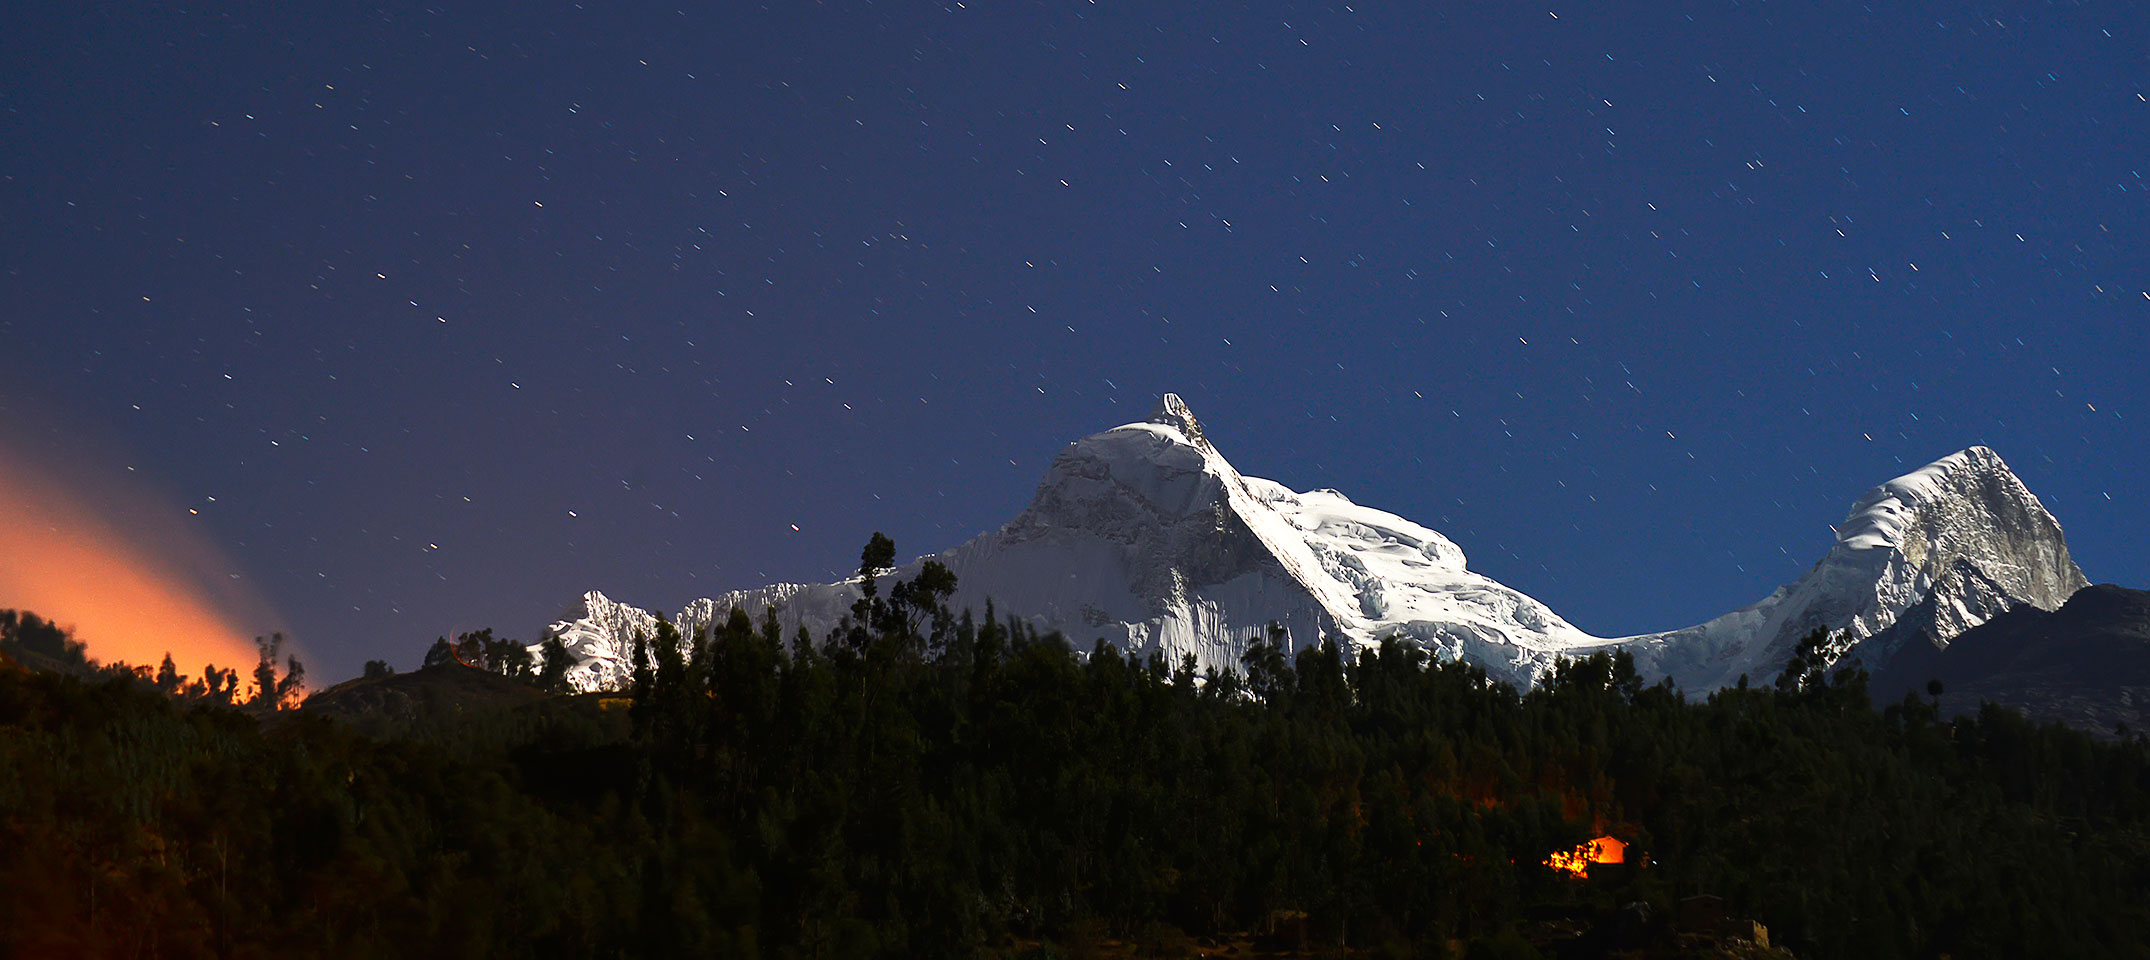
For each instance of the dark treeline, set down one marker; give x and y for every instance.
(30, 641)
(927, 784)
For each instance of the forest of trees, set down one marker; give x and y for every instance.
(929, 783)
(30, 641)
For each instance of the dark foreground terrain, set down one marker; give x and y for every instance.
(922, 785)
(2086, 664)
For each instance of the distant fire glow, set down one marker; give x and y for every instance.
(1578, 860)
(131, 586)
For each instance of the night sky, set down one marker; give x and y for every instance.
(423, 318)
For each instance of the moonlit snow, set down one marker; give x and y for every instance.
(1146, 537)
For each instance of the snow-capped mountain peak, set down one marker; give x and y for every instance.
(599, 633)
(1879, 519)
(1965, 531)
(1962, 532)
(1146, 537)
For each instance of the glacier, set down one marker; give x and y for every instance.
(1145, 536)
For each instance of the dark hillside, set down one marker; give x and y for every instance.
(34, 643)
(923, 784)
(2086, 664)
(441, 693)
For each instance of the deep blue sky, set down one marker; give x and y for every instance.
(460, 310)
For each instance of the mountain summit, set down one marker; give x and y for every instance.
(1172, 412)
(1146, 537)
(1958, 541)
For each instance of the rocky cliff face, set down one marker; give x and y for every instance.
(1961, 535)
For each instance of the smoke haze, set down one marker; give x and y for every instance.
(117, 565)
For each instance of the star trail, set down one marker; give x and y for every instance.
(430, 317)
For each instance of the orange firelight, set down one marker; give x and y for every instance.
(1577, 862)
(130, 582)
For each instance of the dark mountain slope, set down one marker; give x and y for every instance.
(444, 692)
(2086, 664)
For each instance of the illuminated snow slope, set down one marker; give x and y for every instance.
(1146, 537)
(1962, 529)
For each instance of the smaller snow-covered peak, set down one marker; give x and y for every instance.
(1173, 412)
(1961, 539)
(598, 633)
(595, 606)
(1879, 518)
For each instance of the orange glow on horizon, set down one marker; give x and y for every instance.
(130, 596)
(1577, 861)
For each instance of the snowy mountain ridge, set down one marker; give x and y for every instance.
(1145, 536)
(1962, 533)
